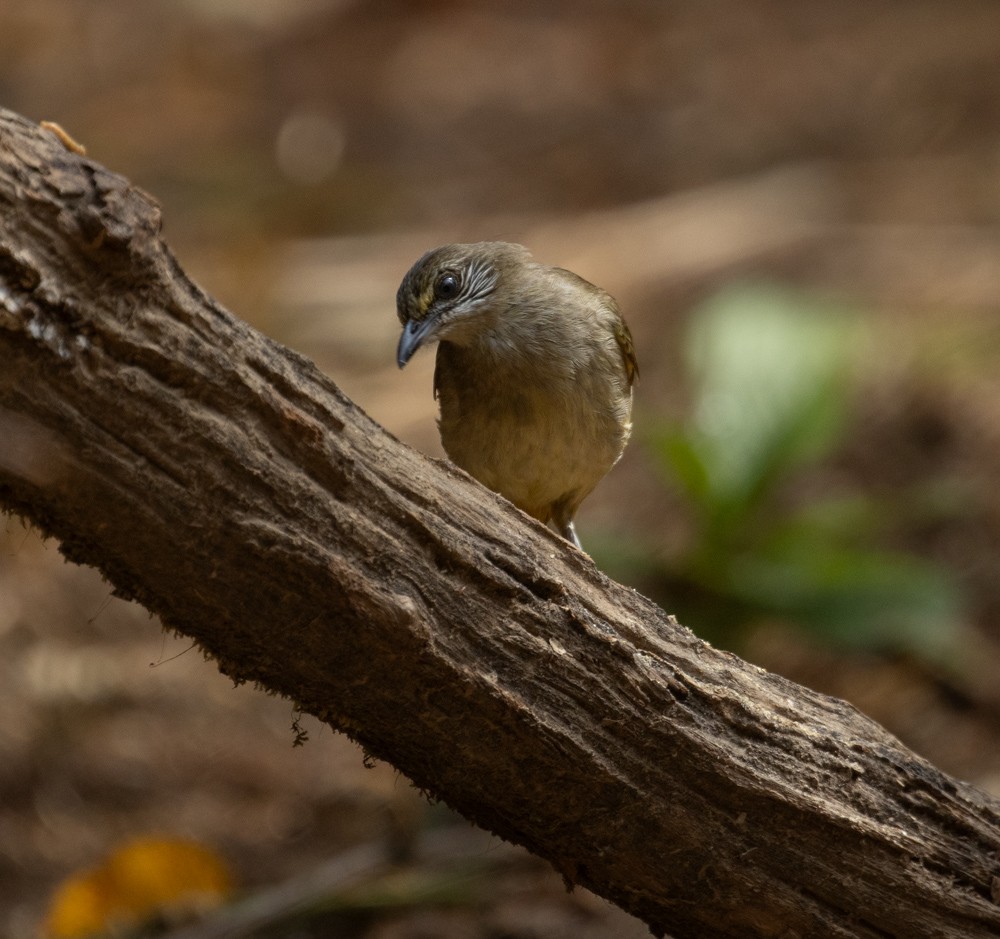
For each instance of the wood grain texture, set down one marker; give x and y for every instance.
(223, 482)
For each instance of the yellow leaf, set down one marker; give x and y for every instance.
(141, 879)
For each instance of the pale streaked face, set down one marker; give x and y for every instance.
(447, 288)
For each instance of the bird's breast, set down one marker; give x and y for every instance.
(531, 431)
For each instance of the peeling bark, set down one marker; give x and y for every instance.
(223, 482)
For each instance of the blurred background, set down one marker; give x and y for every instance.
(797, 205)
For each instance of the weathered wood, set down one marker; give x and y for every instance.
(227, 485)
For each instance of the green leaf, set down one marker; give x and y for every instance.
(770, 370)
(685, 464)
(863, 598)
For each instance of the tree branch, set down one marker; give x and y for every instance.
(223, 482)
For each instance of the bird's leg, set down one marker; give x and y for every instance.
(566, 529)
(569, 533)
(562, 518)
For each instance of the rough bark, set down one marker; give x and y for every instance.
(223, 482)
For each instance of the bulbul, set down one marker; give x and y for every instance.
(534, 373)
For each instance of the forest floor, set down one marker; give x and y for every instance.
(305, 154)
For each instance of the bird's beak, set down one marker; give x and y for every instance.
(414, 334)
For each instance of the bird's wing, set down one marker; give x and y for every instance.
(624, 339)
(622, 335)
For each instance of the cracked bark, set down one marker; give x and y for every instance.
(223, 482)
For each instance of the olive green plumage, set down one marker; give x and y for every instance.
(534, 372)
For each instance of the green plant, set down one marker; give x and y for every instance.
(772, 380)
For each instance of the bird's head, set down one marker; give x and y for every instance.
(448, 293)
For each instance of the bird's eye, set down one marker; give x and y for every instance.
(446, 287)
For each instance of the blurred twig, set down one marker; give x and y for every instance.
(321, 886)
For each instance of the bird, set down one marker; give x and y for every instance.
(533, 376)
